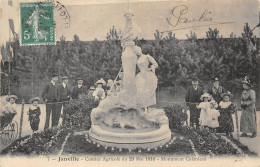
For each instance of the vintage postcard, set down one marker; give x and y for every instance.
(130, 83)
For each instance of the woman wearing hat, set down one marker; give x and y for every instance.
(34, 114)
(216, 90)
(227, 108)
(99, 93)
(248, 117)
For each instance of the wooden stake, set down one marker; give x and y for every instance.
(9, 79)
(21, 120)
(237, 125)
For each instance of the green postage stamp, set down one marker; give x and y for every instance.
(37, 23)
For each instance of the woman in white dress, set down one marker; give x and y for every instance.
(146, 80)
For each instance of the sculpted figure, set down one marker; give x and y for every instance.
(127, 104)
(146, 80)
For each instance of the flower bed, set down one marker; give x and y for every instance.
(47, 142)
(208, 143)
(205, 142)
(184, 141)
(79, 145)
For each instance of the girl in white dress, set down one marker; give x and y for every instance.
(204, 106)
(146, 80)
(213, 115)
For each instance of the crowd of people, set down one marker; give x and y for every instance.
(56, 96)
(214, 109)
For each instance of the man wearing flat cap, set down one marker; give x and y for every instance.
(216, 90)
(65, 95)
(79, 89)
(50, 95)
(192, 98)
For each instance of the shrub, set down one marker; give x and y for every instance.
(176, 115)
(78, 112)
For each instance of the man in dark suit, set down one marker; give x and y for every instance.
(79, 89)
(50, 95)
(65, 95)
(192, 98)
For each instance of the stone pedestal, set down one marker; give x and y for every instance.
(139, 130)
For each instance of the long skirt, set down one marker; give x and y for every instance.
(225, 122)
(248, 121)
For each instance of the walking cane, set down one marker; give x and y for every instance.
(21, 120)
(186, 108)
(237, 124)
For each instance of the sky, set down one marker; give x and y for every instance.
(92, 19)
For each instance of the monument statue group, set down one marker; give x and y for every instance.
(124, 119)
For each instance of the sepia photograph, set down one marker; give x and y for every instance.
(129, 83)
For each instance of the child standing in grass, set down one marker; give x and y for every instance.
(34, 114)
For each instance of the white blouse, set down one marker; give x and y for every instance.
(223, 104)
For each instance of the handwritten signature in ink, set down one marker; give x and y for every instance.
(179, 14)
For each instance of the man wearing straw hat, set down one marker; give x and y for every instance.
(192, 98)
(50, 95)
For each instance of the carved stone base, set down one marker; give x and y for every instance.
(130, 140)
(153, 130)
